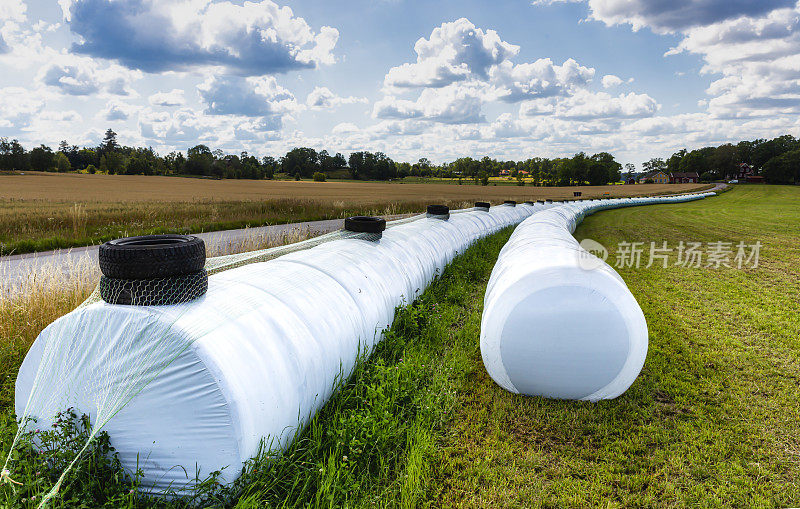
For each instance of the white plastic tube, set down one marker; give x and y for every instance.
(557, 321)
(253, 359)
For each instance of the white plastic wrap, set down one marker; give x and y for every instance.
(558, 322)
(253, 359)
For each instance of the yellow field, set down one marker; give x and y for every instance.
(76, 188)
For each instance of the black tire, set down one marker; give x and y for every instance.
(154, 292)
(482, 204)
(528, 203)
(152, 256)
(510, 202)
(438, 210)
(365, 224)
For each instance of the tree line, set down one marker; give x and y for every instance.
(778, 160)
(301, 162)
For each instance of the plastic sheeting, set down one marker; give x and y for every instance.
(557, 321)
(195, 387)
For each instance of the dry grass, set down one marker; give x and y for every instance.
(73, 187)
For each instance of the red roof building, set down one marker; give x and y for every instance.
(681, 177)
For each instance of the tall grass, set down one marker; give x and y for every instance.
(29, 226)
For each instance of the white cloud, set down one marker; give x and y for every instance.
(254, 38)
(455, 51)
(321, 98)
(19, 106)
(759, 60)
(168, 99)
(585, 105)
(75, 75)
(551, 2)
(13, 10)
(610, 80)
(541, 78)
(345, 127)
(670, 16)
(247, 97)
(454, 104)
(460, 67)
(116, 110)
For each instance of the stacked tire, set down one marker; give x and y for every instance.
(153, 270)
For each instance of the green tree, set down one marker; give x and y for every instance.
(766, 150)
(109, 143)
(113, 163)
(598, 174)
(783, 168)
(611, 168)
(61, 162)
(565, 173)
(13, 155)
(654, 164)
(698, 160)
(674, 161)
(725, 160)
(301, 161)
(630, 170)
(41, 158)
(199, 160)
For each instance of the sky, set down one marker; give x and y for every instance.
(509, 79)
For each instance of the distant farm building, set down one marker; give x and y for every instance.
(745, 171)
(678, 177)
(658, 177)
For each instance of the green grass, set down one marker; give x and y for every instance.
(713, 419)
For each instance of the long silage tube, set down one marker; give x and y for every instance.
(559, 322)
(296, 321)
(114, 352)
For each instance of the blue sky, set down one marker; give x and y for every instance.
(508, 79)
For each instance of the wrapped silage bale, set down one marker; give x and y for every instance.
(195, 387)
(557, 321)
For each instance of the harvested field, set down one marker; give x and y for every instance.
(42, 211)
(73, 187)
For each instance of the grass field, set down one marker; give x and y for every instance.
(42, 211)
(712, 421)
